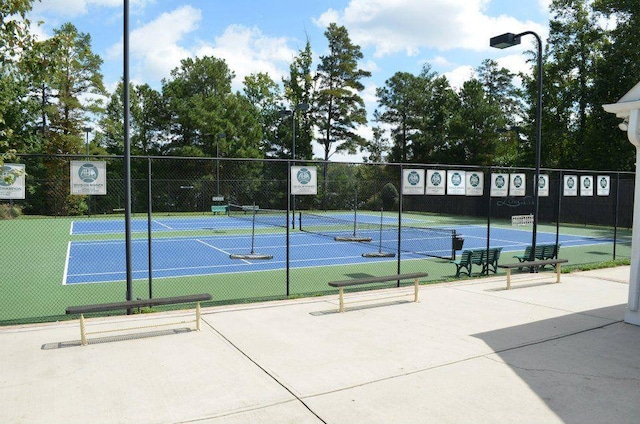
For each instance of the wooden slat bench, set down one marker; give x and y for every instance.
(538, 264)
(370, 280)
(132, 304)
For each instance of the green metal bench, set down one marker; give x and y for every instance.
(219, 209)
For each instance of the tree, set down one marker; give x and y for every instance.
(399, 99)
(264, 94)
(474, 126)
(298, 90)
(338, 106)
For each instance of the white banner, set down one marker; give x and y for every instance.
(604, 183)
(304, 180)
(413, 181)
(456, 183)
(475, 183)
(12, 181)
(436, 182)
(499, 185)
(586, 185)
(570, 185)
(543, 185)
(517, 185)
(88, 177)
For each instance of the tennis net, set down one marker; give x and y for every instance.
(274, 217)
(427, 241)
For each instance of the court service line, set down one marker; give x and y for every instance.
(219, 250)
(162, 225)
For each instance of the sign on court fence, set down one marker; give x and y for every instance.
(412, 181)
(436, 182)
(12, 181)
(88, 177)
(304, 180)
(604, 182)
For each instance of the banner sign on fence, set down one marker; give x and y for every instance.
(499, 185)
(570, 185)
(436, 182)
(604, 181)
(543, 185)
(304, 180)
(12, 181)
(517, 186)
(586, 185)
(456, 183)
(88, 177)
(413, 181)
(475, 184)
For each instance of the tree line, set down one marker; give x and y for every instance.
(50, 90)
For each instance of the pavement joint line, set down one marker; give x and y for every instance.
(239, 411)
(264, 370)
(471, 358)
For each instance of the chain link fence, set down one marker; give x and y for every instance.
(191, 215)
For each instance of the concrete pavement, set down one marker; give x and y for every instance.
(468, 352)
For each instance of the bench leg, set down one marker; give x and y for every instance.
(558, 267)
(415, 290)
(508, 278)
(83, 332)
(198, 316)
(341, 308)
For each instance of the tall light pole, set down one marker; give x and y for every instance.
(220, 135)
(502, 42)
(302, 107)
(87, 130)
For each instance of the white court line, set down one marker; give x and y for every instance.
(162, 225)
(219, 250)
(66, 265)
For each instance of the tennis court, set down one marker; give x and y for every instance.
(208, 251)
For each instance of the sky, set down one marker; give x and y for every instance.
(265, 35)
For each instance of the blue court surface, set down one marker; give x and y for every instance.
(97, 261)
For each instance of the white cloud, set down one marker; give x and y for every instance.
(248, 51)
(459, 75)
(392, 26)
(155, 47)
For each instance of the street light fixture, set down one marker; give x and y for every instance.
(502, 42)
(87, 130)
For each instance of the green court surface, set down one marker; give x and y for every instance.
(34, 255)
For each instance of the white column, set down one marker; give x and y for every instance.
(633, 315)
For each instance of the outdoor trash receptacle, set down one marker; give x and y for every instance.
(458, 242)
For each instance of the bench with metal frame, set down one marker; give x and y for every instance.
(370, 280)
(534, 265)
(543, 252)
(133, 304)
(487, 260)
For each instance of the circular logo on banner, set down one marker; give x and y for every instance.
(88, 173)
(413, 178)
(603, 182)
(7, 178)
(500, 181)
(474, 180)
(456, 179)
(303, 176)
(517, 181)
(436, 179)
(586, 183)
(571, 182)
(542, 182)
